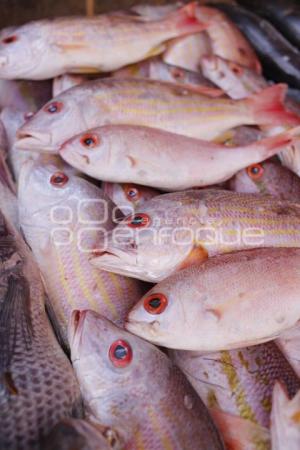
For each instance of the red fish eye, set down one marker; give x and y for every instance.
(140, 220)
(10, 39)
(177, 73)
(59, 179)
(155, 303)
(120, 353)
(132, 193)
(255, 172)
(90, 140)
(53, 107)
(238, 70)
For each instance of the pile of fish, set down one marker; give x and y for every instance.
(150, 229)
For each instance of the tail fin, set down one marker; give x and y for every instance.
(186, 21)
(274, 144)
(268, 108)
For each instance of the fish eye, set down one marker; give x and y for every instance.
(90, 140)
(140, 220)
(120, 353)
(255, 172)
(155, 303)
(53, 107)
(10, 39)
(238, 70)
(177, 73)
(132, 193)
(59, 179)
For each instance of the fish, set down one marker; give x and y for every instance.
(186, 52)
(198, 308)
(149, 156)
(280, 59)
(150, 103)
(48, 48)
(237, 81)
(133, 387)
(76, 434)
(284, 14)
(156, 69)
(128, 196)
(175, 230)
(227, 41)
(62, 226)
(288, 343)
(285, 430)
(63, 82)
(38, 386)
(237, 388)
(268, 178)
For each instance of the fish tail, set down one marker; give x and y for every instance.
(186, 20)
(267, 107)
(274, 144)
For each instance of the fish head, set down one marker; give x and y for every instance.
(23, 51)
(58, 120)
(109, 360)
(161, 314)
(128, 196)
(149, 244)
(253, 179)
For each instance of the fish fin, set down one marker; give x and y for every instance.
(156, 51)
(276, 143)
(205, 90)
(186, 19)
(239, 433)
(267, 107)
(15, 319)
(55, 326)
(197, 255)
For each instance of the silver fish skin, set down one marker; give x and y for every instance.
(37, 384)
(198, 309)
(44, 49)
(76, 434)
(132, 387)
(67, 218)
(151, 103)
(285, 430)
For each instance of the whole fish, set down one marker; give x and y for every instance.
(156, 69)
(75, 434)
(199, 309)
(280, 59)
(37, 383)
(186, 52)
(63, 82)
(62, 226)
(237, 81)
(285, 428)
(237, 387)
(47, 48)
(132, 387)
(151, 103)
(149, 156)
(128, 197)
(268, 178)
(227, 41)
(284, 14)
(176, 230)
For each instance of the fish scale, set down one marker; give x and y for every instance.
(38, 386)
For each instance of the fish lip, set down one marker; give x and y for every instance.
(33, 140)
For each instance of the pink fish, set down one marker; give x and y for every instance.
(149, 156)
(150, 103)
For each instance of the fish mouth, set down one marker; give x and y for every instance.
(75, 331)
(146, 330)
(34, 140)
(120, 262)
